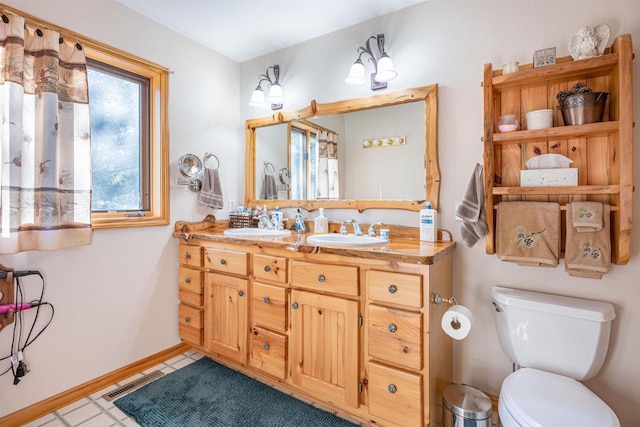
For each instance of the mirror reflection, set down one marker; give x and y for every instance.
(345, 156)
(373, 152)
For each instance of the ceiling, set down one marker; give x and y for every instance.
(245, 29)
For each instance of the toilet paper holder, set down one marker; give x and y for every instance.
(436, 298)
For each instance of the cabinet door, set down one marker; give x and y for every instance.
(324, 346)
(226, 316)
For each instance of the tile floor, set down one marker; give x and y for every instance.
(94, 411)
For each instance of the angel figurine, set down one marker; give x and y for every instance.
(588, 42)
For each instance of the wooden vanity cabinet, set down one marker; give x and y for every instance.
(191, 294)
(226, 304)
(269, 314)
(351, 335)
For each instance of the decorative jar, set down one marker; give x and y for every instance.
(508, 123)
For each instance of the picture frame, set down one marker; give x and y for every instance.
(544, 57)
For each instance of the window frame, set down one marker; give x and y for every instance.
(158, 213)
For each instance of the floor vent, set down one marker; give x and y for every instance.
(135, 384)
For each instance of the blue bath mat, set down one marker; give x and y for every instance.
(206, 393)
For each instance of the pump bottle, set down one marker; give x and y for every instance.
(428, 224)
(320, 223)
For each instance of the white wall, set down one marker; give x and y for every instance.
(116, 300)
(448, 42)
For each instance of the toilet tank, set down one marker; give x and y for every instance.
(564, 335)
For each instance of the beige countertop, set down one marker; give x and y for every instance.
(404, 245)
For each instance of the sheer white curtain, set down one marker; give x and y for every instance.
(328, 179)
(45, 156)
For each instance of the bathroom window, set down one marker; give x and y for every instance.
(128, 101)
(303, 158)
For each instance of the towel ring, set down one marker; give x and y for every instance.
(207, 156)
(269, 168)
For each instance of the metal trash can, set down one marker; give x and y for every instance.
(466, 406)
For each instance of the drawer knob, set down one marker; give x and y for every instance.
(392, 289)
(267, 268)
(266, 300)
(392, 388)
(294, 305)
(266, 346)
(187, 280)
(392, 328)
(187, 319)
(223, 261)
(321, 278)
(187, 255)
(241, 293)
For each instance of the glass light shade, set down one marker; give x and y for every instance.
(386, 72)
(276, 95)
(356, 74)
(257, 98)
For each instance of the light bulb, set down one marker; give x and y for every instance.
(257, 98)
(276, 96)
(356, 74)
(386, 72)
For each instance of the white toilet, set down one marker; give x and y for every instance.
(557, 341)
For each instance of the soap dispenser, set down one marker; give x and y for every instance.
(299, 224)
(320, 223)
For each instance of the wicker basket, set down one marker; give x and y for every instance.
(242, 221)
(583, 108)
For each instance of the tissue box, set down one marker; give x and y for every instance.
(548, 177)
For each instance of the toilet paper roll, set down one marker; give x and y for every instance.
(457, 321)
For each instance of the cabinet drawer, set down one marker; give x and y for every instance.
(226, 261)
(190, 328)
(395, 336)
(267, 267)
(191, 255)
(190, 280)
(191, 298)
(395, 395)
(325, 277)
(268, 352)
(396, 288)
(269, 306)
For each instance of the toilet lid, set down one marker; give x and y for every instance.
(542, 399)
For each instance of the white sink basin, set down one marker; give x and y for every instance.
(253, 233)
(344, 240)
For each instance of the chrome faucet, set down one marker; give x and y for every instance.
(264, 222)
(372, 229)
(357, 231)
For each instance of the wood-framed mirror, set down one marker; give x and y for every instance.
(386, 146)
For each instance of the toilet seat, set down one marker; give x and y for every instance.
(536, 398)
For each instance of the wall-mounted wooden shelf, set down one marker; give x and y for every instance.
(602, 152)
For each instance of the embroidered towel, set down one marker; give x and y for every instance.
(586, 216)
(528, 233)
(211, 192)
(588, 254)
(269, 189)
(471, 209)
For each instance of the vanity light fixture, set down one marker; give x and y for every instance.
(384, 70)
(276, 95)
(384, 142)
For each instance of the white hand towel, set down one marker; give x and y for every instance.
(471, 209)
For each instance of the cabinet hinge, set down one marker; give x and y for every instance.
(360, 319)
